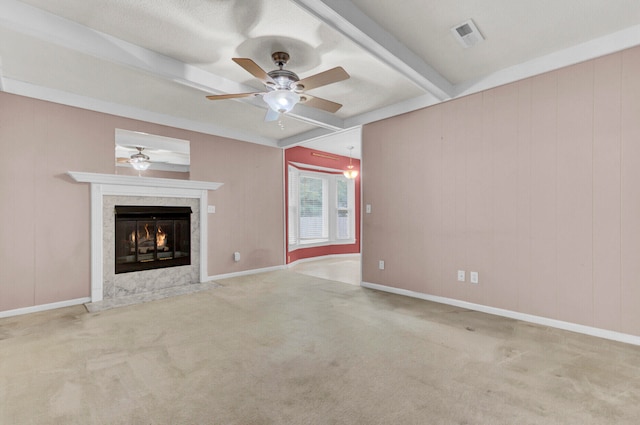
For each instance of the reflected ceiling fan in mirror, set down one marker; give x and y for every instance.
(284, 89)
(138, 160)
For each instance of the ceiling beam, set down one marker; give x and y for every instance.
(71, 35)
(71, 99)
(597, 47)
(51, 28)
(346, 18)
(303, 137)
(368, 117)
(399, 108)
(316, 117)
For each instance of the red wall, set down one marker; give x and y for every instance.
(306, 156)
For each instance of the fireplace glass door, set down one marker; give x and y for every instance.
(152, 237)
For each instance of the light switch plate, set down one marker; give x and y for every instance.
(461, 276)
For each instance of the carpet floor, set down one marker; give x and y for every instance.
(288, 348)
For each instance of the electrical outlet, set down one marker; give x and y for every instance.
(368, 208)
(381, 264)
(461, 276)
(473, 277)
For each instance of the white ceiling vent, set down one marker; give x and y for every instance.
(467, 34)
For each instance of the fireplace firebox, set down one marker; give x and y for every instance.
(152, 237)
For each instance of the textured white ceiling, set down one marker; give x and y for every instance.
(157, 60)
(515, 31)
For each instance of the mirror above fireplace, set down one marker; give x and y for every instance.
(159, 153)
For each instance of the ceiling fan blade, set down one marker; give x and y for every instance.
(271, 115)
(322, 79)
(122, 160)
(252, 68)
(320, 103)
(231, 96)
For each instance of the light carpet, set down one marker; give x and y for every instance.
(286, 348)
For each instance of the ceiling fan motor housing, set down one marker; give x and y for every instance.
(285, 80)
(139, 156)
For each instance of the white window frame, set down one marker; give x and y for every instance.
(293, 240)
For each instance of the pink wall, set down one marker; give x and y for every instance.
(303, 155)
(535, 185)
(44, 253)
(249, 207)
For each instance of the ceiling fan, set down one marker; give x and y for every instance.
(284, 89)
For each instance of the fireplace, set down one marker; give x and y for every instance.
(107, 191)
(151, 237)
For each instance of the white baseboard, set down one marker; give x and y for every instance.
(322, 257)
(568, 326)
(68, 303)
(245, 273)
(43, 307)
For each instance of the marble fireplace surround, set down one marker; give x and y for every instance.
(116, 286)
(106, 187)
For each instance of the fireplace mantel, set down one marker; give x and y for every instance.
(115, 179)
(112, 184)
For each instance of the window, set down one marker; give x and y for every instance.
(321, 208)
(313, 218)
(344, 213)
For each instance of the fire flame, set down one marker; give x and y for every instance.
(161, 236)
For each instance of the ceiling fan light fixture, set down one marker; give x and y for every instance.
(281, 100)
(140, 165)
(140, 161)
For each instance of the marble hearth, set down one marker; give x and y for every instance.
(109, 190)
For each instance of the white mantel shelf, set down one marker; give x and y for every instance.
(113, 179)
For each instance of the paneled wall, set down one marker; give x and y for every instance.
(535, 185)
(44, 214)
